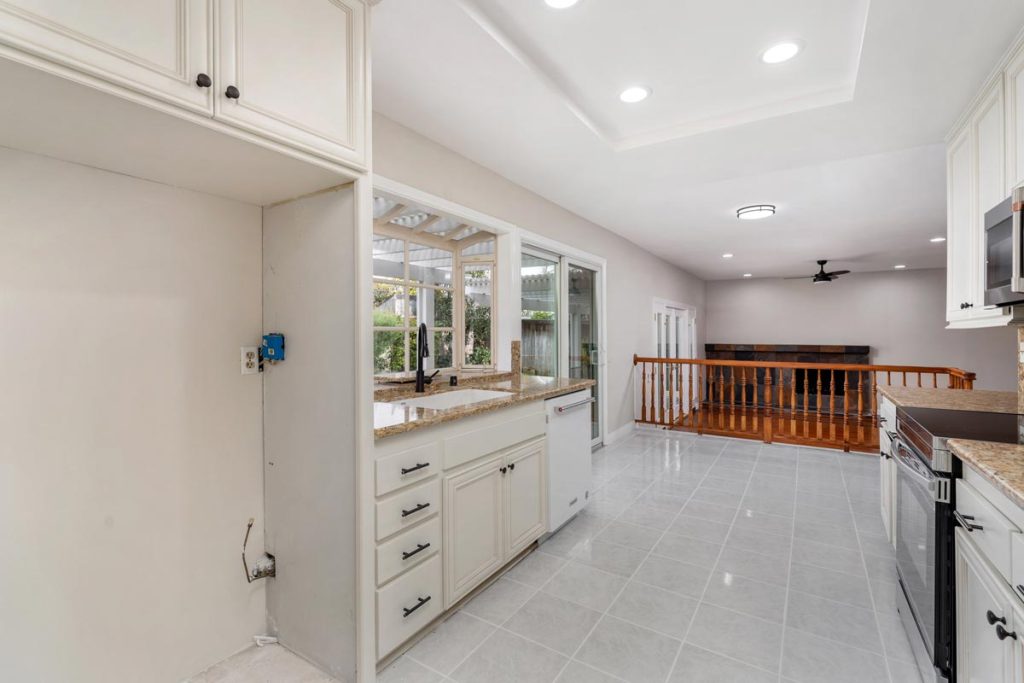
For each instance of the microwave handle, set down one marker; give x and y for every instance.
(1017, 278)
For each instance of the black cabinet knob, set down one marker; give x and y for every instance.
(503, 469)
(203, 81)
(512, 467)
(993, 619)
(232, 93)
(1003, 634)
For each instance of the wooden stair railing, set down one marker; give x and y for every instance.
(835, 405)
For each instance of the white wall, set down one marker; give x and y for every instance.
(130, 455)
(635, 276)
(900, 314)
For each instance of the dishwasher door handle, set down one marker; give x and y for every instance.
(577, 404)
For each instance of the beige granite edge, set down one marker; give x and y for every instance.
(450, 415)
(439, 385)
(1000, 463)
(978, 400)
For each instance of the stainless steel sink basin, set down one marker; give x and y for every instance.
(454, 399)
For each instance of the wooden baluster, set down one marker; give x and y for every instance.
(807, 391)
(672, 394)
(919, 379)
(904, 378)
(935, 380)
(860, 395)
(643, 392)
(817, 396)
(792, 390)
(654, 396)
(768, 405)
(700, 399)
(689, 381)
(874, 396)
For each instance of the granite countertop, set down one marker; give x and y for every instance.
(1000, 463)
(952, 399)
(390, 418)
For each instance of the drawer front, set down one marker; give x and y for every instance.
(408, 604)
(1017, 565)
(995, 532)
(409, 549)
(408, 467)
(466, 447)
(408, 508)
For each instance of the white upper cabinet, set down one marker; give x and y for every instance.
(1014, 83)
(294, 72)
(960, 238)
(155, 47)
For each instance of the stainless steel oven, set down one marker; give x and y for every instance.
(923, 539)
(1004, 281)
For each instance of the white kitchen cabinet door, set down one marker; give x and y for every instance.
(888, 475)
(155, 47)
(981, 599)
(960, 231)
(1014, 84)
(474, 534)
(987, 127)
(525, 498)
(295, 73)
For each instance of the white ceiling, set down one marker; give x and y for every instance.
(846, 138)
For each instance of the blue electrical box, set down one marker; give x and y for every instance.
(273, 347)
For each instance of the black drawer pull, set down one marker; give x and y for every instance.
(419, 466)
(965, 522)
(406, 611)
(421, 506)
(420, 547)
(993, 619)
(1020, 589)
(1003, 634)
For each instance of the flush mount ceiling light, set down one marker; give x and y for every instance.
(634, 94)
(936, 240)
(755, 212)
(900, 266)
(726, 255)
(782, 52)
(561, 4)
(748, 275)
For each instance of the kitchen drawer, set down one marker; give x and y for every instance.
(408, 549)
(408, 467)
(408, 508)
(1017, 565)
(408, 604)
(468, 446)
(990, 529)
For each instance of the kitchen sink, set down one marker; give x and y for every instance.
(454, 399)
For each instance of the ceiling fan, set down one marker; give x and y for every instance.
(821, 275)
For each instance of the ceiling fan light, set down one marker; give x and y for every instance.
(755, 212)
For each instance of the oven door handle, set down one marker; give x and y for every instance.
(902, 455)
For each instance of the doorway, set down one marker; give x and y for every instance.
(675, 336)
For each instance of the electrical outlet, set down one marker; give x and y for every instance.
(250, 360)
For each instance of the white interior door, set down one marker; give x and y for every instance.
(674, 337)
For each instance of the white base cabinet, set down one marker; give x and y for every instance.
(887, 466)
(985, 654)
(492, 511)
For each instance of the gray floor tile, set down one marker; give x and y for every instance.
(559, 624)
(809, 659)
(709, 511)
(827, 556)
(671, 502)
(768, 568)
(536, 569)
(835, 517)
(903, 672)
(630, 652)
(405, 670)
(630, 535)
(577, 672)
(451, 642)
(585, 586)
(722, 498)
(843, 623)
(759, 542)
(748, 639)
(678, 577)
(690, 550)
(740, 594)
(894, 638)
(829, 584)
(728, 485)
(873, 544)
(826, 533)
(696, 665)
(701, 529)
(654, 608)
(499, 601)
(616, 559)
(764, 522)
(645, 515)
(507, 658)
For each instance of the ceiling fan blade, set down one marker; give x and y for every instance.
(838, 272)
(799, 277)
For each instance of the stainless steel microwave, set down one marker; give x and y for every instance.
(1004, 282)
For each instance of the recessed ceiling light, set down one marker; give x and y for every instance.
(634, 94)
(726, 255)
(937, 239)
(561, 4)
(748, 275)
(900, 266)
(755, 212)
(780, 53)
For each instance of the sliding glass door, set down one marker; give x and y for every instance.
(584, 338)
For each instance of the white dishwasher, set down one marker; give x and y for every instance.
(568, 455)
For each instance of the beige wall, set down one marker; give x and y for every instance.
(635, 276)
(901, 315)
(130, 455)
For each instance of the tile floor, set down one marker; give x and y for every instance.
(698, 559)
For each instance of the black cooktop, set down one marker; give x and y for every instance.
(965, 424)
